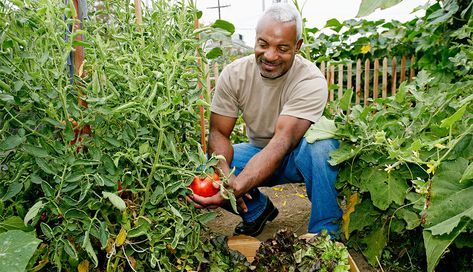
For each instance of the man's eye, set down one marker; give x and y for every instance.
(283, 49)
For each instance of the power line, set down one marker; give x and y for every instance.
(219, 7)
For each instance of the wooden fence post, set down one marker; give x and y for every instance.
(331, 82)
(358, 82)
(340, 81)
(349, 75)
(402, 77)
(394, 76)
(367, 83)
(375, 78)
(412, 72)
(385, 77)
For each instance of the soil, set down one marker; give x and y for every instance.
(294, 210)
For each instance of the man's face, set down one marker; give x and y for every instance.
(275, 47)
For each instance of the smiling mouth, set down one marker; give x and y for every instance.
(269, 65)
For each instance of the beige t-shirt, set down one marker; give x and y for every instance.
(301, 92)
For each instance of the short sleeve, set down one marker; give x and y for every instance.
(307, 100)
(224, 101)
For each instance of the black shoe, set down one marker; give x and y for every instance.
(256, 227)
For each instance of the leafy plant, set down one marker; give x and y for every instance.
(408, 157)
(111, 198)
(286, 252)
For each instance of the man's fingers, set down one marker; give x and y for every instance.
(241, 203)
(248, 196)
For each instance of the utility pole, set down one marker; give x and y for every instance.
(219, 7)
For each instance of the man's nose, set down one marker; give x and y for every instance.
(271, 54)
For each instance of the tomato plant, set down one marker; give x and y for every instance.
(205, 186)
(142, 98)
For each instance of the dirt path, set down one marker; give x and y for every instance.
(294, 210)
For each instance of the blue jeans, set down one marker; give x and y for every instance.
(306, 163)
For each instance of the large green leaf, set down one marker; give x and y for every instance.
(323, 129)
(375, 241)
(369, 6)
(16, 249)
(225, 25)
(384, 188)
(11, 142)
(451, 199)
(435, 246)
(364, 215)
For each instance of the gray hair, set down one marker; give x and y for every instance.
(285, 13)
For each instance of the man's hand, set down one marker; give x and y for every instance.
(215, 201)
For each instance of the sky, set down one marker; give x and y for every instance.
(245, 13)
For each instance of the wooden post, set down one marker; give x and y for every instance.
(412, 71)
(375, 79)
(138, 16)
(394, 76)
(403, 69)
(385, 77)
(203, 140)
(340, 81)
(358, 82)
(207, 79)
(331, 82)
(349, 75)
(367, 83)
(78, 52)
(322, 67)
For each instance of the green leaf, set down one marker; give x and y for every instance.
(35, 151)
(16, 249)
(47, 231)
(214, 53)
(13, 190)
(206, 217)
(14, 223)
(449, 121)
(116, 200)
(435, 246)
(225, 25)
(70, 249)
(321, 130)
(468, 174)
(369, 6)
(345, 152)
(334, 24)
(33, 211)
(384, 188)
(45, 166)
(447, 226)
(11, 142)
(345, 100)
(451, 199)
(412, 219)
(375, 241)
(89, 249)
(364, 215)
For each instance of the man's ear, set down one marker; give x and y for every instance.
(298, 45)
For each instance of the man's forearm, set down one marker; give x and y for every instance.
(221, 145)
(261, 166)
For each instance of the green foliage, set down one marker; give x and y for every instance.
(112, 195)
(409, 157)
(16, 248)
(439, 41)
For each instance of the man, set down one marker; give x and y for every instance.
(280, 94)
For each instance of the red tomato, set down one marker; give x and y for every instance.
(204, 186)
